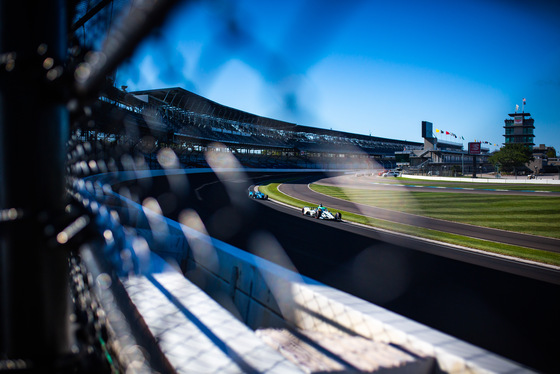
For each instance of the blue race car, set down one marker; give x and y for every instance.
(257, 195)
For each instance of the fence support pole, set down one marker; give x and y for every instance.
(33, 134)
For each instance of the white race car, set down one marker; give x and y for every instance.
(391, 174)
(321, 213)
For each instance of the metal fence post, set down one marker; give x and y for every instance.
(33, 134)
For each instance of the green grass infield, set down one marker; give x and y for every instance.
(537, 215)
(545, 257)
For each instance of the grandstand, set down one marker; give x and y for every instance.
(189, 124)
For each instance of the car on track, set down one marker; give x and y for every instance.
(257, 195)
(391, 174)
(321, 212)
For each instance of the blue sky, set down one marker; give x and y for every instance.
(366, 67)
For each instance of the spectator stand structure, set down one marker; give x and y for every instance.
(190, 125)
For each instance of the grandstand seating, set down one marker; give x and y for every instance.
(188, 123)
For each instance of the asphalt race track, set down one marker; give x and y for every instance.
(507, 308)
(301, 191)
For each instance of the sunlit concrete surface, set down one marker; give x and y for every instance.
(195, 333)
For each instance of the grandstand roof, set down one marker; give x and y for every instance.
(350, 135)
(446, 144)
(182, 99)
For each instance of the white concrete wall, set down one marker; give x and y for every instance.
(519, 180)
(263, 294)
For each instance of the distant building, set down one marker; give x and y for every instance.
(519, 129)
(442, 157)
(543, 151)
(542, 162)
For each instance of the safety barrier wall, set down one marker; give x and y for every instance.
(486, 180)
(263, 294)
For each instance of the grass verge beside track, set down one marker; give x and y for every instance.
(271, 189)
(536, 215)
